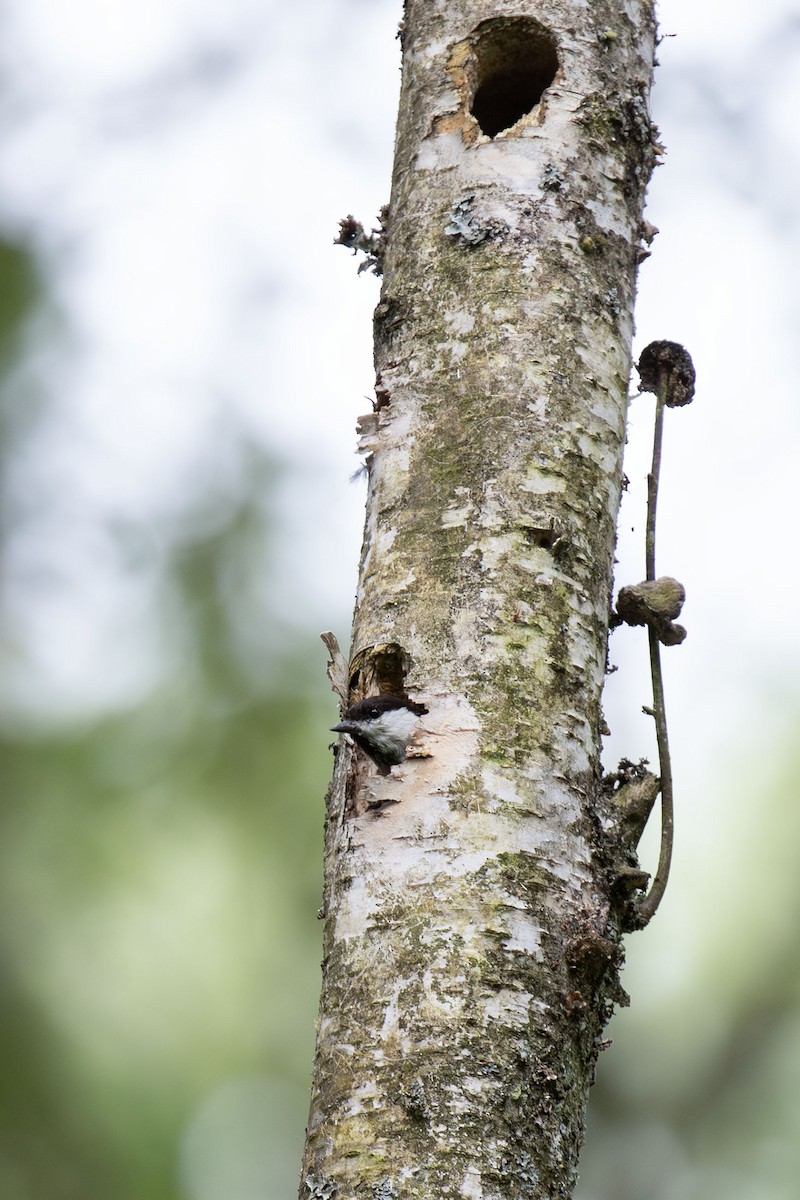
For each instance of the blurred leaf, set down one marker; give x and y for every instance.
(19, 292)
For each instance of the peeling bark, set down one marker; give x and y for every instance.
(476, 897)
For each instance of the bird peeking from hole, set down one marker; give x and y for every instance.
(382, 726)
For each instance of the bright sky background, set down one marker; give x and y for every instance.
(181, 166)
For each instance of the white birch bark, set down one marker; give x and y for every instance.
(472, 922)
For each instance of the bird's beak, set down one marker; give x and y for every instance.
(342, 727)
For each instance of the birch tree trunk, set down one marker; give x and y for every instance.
(475, 898)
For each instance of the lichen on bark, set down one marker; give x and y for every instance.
(473, 917)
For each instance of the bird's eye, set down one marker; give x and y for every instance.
(374, 712)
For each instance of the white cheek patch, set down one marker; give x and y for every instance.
(397, 724)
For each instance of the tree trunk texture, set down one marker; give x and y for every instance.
(473, 902)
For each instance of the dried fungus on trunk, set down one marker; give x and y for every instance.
(475, 896)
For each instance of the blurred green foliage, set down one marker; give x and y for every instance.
(160, 874)
(19, 289)
(159, 893)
